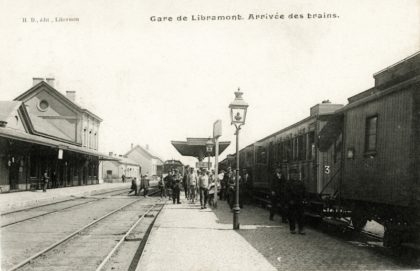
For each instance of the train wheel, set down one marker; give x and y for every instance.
(358, 220)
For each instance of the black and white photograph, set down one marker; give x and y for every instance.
(199, 135)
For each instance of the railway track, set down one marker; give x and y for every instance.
(84, 201)
(75, 240)
(57, 202)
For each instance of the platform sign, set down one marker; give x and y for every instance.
(202, 165)
(217, 128)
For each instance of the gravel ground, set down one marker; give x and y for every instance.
(314, 251)
(86, 250)
(24, 239)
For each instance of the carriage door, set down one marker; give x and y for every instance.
(260, 175)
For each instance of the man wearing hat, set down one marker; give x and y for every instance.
(185, 182)
(203, 183)
(176, 189)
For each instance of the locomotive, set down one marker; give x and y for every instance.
(169, 165)
(359, 161)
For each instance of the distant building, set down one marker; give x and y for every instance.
(150, 163)
(113, 167)
(43, 129)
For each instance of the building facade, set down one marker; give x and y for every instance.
(114, 167)
(45, 130)
(150, 163)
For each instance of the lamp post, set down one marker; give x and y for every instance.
(238, 110)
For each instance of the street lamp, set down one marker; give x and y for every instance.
(209, 150)
(238, 110)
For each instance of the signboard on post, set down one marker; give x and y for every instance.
(203, 165)
(217, 129)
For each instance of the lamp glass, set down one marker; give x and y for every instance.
(238, 115)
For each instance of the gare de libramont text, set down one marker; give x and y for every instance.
(239, 17)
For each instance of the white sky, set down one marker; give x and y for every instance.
(157, 82)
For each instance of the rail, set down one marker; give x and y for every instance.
(105, 261)
(29, 259)
(54, 211)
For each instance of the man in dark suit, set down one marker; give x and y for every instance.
(277, 196)
(295, 195)
(176, 187)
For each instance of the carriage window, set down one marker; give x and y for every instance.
(288, 149)
(249, 157)
(301, 140)
(280, 152)
(371, 129)
(311, 145)
(261, 155)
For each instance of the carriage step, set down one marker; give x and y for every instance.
(335, 222)
(313, 215)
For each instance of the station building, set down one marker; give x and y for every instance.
(151, 164)
(113, 167)
(43, 129)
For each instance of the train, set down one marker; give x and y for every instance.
(168, 165)
(359, 161)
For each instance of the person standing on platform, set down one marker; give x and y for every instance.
(45, 179)
(224, 193)
(192, 183)
(277, 195)
(295, 192)
(168, 180)
(161, 185)
(246, 186)
(176, 188)
(123, 178)
(231, 195)
(185, 182)
(203, 183)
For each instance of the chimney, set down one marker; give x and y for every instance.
(111, 153)
(50, 81)
(71, 95)
(37, 80)
(132, 145)
(147, 146)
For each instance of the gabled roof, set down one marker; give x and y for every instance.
(7, 108)
(144, 150)
(126, 160)
(47, 128)
(58, 94)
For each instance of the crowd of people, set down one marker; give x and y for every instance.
(137, 185)
(194, 182)
(286, 199)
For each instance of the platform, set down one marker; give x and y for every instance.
(186, 237)
(18, 200)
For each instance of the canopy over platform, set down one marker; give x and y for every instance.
(196, 147)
